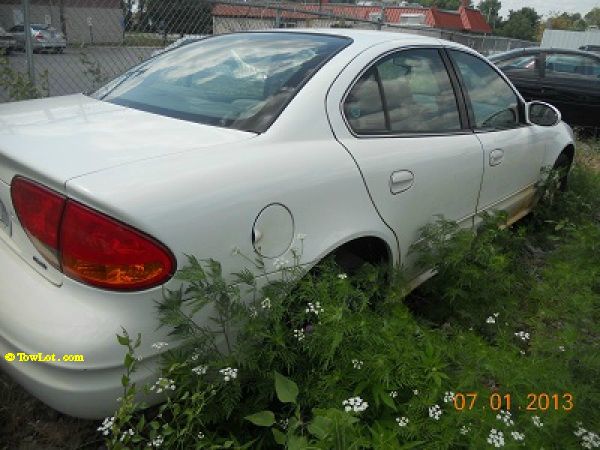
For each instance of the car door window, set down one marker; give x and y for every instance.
(521, 62)
(572, 65)
(493, 103)
(406, 92)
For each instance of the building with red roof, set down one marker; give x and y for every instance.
(252, 16)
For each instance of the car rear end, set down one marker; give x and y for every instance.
(74, 273)
(45, 37)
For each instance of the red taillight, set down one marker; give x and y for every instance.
(87, 245)
(40, 211)
(38, 36)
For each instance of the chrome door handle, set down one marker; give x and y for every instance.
(496, 156)
(401, 180)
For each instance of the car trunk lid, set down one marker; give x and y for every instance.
(54, 140)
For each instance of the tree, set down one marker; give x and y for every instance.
(491, 11)
(445, 4)
(521, 24)
(593, 17)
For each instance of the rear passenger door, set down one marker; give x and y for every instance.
(396, 113)
(513, 150)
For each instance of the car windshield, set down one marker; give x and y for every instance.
(240, 81)
(37, 27)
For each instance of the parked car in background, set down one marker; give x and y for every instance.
(7, 42)
(354, 139)
(43, 37)
(590, 48)
(568, 79)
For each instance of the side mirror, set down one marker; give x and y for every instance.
(542, 114)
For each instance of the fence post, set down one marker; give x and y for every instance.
(28, 41)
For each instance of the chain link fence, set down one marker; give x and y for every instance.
(77, 45)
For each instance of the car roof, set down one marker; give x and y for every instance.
(536, 50)
(374, 37)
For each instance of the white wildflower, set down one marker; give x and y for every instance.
(561, 348)
(200, 435)
(589, 439)
(157, 441)
(283, 423)
(394, 394)
(496, 438)
(127, 433)
(299, 334)
(253, 312)
(314, 308)
(266, 303)
(496, 314)
(163, 384)
(537, 421)
(106, 426)
(435, 412)
(522, 352)
(506, 417)
(229, 373)
(490, 320)
(200, 370)
(524, 336)
(357, 364)
(464, 430)
(355, 404)
(159, 345)
(448, 397)
(517, 436)
(415, 391)
(342, 276)
(402, 421)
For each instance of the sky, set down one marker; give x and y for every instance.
(545, 7)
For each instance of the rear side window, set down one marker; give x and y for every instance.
(240, 81)
(407, 92)
(575, 65)
(493, 103)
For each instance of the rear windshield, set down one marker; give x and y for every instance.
(37, 27)
(240, 81)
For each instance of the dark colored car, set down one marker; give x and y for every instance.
(590, 48)
(567, 79)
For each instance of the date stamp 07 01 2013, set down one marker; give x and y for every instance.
(534, 402)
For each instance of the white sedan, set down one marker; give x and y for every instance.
(355, 139)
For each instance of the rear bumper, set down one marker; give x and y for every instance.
(37, 316)
(52, 45)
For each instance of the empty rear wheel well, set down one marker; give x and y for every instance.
(368, 249)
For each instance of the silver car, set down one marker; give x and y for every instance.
(43, 38)
(346, 142)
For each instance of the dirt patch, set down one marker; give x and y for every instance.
(28, 424)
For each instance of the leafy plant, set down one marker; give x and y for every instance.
(18, 85)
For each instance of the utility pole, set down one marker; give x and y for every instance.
(28, 42)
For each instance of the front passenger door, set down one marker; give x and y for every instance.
(513, 151)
